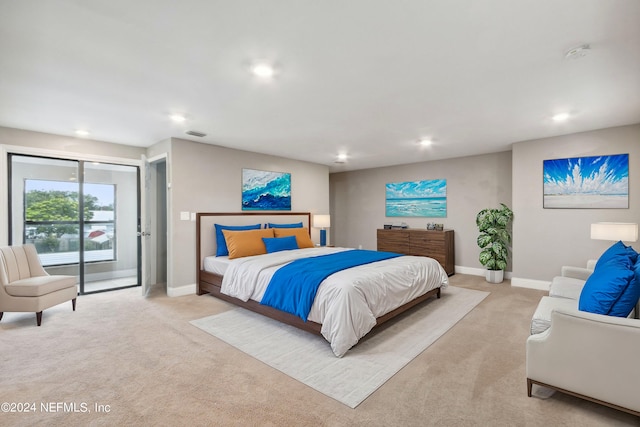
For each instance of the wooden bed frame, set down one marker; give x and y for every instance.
(207, 282)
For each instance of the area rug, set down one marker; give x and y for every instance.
(363, 369)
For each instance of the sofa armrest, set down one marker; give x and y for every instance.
(575, 272)
(589, 354)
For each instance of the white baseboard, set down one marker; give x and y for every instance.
(477, 271)
(541, 285)
(181, 291)
(469, 270)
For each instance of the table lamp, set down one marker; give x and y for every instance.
(322, 222)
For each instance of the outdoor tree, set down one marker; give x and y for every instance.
(60, 207)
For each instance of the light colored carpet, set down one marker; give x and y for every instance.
(143, 358)
(351, 379)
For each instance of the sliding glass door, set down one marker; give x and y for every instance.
(83, 217)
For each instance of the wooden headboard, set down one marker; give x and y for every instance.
(205, 230)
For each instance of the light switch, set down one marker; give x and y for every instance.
(193, 216)
(184, 216)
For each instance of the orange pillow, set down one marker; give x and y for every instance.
(302, 235)
(246, 242)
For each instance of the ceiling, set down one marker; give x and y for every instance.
(367, 78)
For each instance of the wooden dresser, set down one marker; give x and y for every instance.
(415, 241)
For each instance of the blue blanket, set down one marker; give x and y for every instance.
(293, 287)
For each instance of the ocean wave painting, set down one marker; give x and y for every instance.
(266, 191)
(596, 182)
(417, 198)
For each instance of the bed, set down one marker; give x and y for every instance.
(349, 303)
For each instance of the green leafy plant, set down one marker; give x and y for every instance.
(495, 236)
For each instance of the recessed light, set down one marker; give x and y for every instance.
(178, 118)
(425, 142)
(82, 132)
(560, 117)
(262, 70)
(341, 158)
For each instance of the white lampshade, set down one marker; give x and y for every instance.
(322, 221)
(627, 232)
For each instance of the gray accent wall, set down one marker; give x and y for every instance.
(543, 239)
(473, 183)
(208, 178)
(546, 239)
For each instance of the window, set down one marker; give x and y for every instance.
(52, 220)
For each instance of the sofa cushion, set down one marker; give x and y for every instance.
(605, 286)
(541, 320)
(566, 287)
(41, 285)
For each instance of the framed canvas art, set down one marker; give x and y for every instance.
(417, 198)
(265, 190)
(597, 182)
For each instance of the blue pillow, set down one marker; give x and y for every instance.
(221, 243)
(633, 255)
(294, 225)
(615, 251)
(629, 298)
(276, 244)
(605, 286)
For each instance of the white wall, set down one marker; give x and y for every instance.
(546, 239)
(48, 141)
(208, 178)
(473, 183)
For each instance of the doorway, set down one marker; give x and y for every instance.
(82, 216)
(155, 237)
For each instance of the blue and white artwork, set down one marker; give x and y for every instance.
(587, 182)
(266, 191)
(417, 198)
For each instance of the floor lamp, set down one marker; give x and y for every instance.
(623, 231)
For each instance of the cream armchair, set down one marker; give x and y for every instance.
(587, 355)
(26, 286)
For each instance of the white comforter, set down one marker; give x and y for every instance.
(349, 301)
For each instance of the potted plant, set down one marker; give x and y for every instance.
(494, 240)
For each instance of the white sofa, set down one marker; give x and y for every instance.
(591, 356)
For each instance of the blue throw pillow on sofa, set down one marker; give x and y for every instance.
(276, 244)
(606, 285)
(615, 251)
(221, 243)
(629, 298)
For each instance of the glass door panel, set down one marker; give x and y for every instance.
(44, 200)
(111, 241)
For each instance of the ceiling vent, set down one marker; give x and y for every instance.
(577, 52)
(195, 133)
